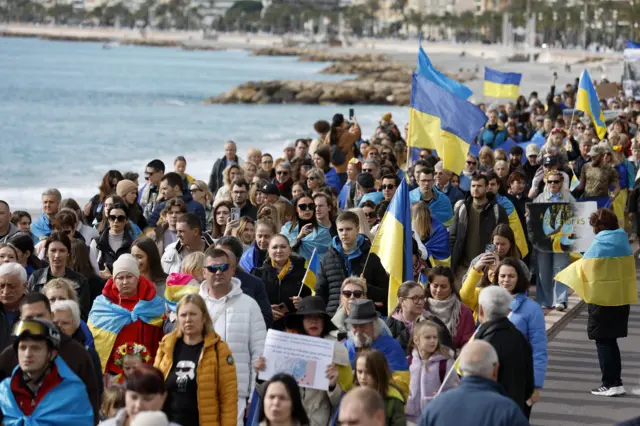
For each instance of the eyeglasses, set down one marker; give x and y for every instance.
(416, 299)
(214, 269)
(194, 190)
(267, 162)
(472, 163)
(304, 207)
(119, 218)
(282, 173)
(357, 294)
(554, 181)
(387, 187)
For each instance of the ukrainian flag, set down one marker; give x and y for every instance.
(173, 294)
(588, 103)
(392, 243)
(606, 274)
(311, 275)
(107, 319)
(514, 224)
(442, 121)
(499, 84)
(428, 71)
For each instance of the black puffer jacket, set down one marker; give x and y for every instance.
(80, 284)
(515, 357)
(106, 255)
(333, 271)
(282, 291)
(607, 322)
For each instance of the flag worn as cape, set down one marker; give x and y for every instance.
(107, 319)
(606, 274)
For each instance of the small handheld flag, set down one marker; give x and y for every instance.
(311, 275)
(588, 103)
(498, 84)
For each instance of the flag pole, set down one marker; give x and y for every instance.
(305, 274)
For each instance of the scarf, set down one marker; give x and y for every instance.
(285, 269)
(448, 311)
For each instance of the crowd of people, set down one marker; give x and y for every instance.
(151, 303)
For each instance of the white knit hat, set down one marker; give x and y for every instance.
(150, 418)
(126, 263)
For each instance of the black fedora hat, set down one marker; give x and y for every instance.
(362, 312)
(310, 305)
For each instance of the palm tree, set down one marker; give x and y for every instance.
(416, 20)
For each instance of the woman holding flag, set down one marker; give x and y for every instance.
(282, 273)
(605, 278)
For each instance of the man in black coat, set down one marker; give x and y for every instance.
(515, 355)
(347, 257)
(216, 180)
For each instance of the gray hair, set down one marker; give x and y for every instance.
(440, 165)
(13, 269)
(53, 192)
(284, 164)
(68, 305)
(318, 174)
(478, 358)
(372, 161)
(495, 302)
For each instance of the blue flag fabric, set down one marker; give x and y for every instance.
(632, 45)
(428, 71)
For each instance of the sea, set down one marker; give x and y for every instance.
(69, 112)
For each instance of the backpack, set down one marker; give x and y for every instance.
(442, 367)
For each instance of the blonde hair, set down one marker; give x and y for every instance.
(247, 165)
(423, 325)
(271, 213)
(286, 211)
(197, 300)
(244, 221)
(192, 262)
(362, 219)
(318, 174)
(61, 283)
(421, 219)
(113, 398)
(485, 151)
(360, 282)
(204, 188)
(226, 173)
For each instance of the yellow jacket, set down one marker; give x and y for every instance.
(470, 292)
(216, 377)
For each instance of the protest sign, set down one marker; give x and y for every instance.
(607, 90)
(560, 227)
(304, 357)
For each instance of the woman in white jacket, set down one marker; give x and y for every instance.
(549, 292)
(236, 318)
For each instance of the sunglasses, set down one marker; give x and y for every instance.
(472, 163)
(367, 170)
(312, 178)
(424, 157)
(282, 173)
(120, 218)
(357, 294)
(304, 207)
(554, 181)
(370, 215)
(214, 269)
(387, 187)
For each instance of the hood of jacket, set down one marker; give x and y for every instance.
(236, 291)
(12, 230)
(362, 242)
(146, 290)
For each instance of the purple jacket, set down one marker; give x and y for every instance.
(425, 382)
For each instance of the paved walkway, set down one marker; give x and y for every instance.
(573, 371)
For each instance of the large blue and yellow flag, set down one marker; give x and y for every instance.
(442, 121)
(427, 70)
(498, 84)
(589, 103)
(313, 269)
(606, 274)
(107, 319)
(392, 243)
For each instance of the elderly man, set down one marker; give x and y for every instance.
(365, 332)
(42, 226)
(236, 318)
(216, 180)
(13, 285)
(443, 184)
(7, 229)
(479, 400)
(362, 407)
(514, 351)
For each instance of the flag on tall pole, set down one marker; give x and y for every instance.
(498, 84)
(392, 243)
(442, 121)
(428, 71)
(589, 103)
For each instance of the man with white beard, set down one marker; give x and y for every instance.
(365, 332)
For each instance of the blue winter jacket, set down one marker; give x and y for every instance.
(492, 139)
(66, 404)
(319, 239)
(528, 317)
(374, 196)
(478, 402)
(332, 179)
